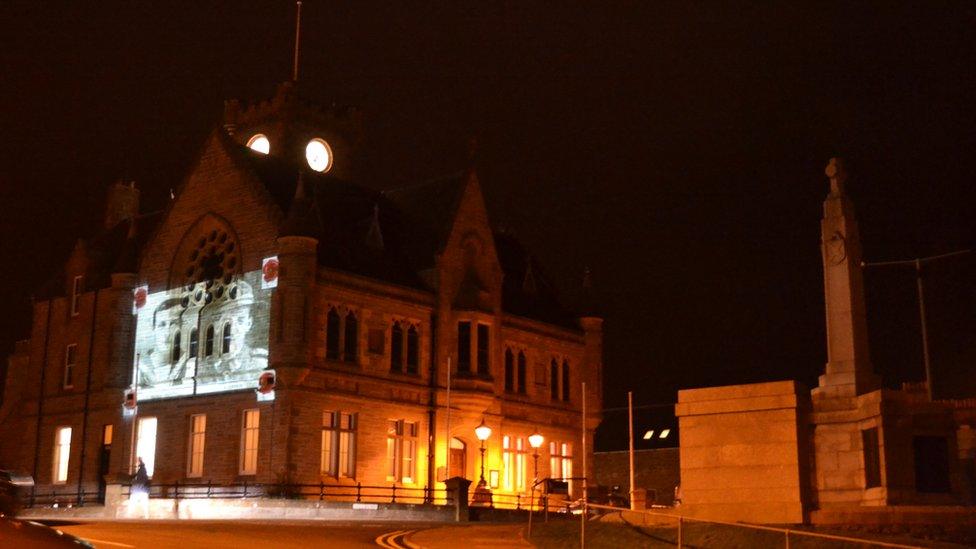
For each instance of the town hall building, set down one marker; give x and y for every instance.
(280, 322)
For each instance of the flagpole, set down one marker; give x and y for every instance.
(298, 33)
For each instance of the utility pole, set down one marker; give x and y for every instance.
(583, 516)
(630, 440)
(917, 264)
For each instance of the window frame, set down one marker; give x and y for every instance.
(196, 446)
(77, 288)
(401, 451)
(62, 455)
(70, 362)
(249, 455)
(338, 436)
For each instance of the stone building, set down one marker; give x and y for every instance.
(847, 451)
(273, 261)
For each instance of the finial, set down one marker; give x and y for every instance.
(837, 174)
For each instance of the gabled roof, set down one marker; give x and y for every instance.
(535, 299)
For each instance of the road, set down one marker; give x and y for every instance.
(232, 534)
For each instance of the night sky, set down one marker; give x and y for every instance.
(675, 148)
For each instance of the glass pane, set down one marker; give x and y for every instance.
(146, 443)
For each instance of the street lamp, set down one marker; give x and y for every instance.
(482, 432)
(535, 441)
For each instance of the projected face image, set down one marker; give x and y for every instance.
(203, 338)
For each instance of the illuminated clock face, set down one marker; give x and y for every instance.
(259, 142)
(319, 155)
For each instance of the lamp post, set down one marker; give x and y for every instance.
(482, 432)
(535, 441)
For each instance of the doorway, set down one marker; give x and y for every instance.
(104, 459)
(458, 458)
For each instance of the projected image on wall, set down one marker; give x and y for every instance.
(202, 338)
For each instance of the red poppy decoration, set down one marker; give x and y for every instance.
(266, 383)
(140, 296)
(270, 271)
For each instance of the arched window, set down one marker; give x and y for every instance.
(565, 380)
(208, 346)
(521, 372)
(413, 350)
(225, 345)
(396, 348)
(193, 343)
(509, 371)
(352, 338)
(554, 380)
(176, 347)
(332, 335)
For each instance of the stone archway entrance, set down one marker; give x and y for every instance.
(459, 458)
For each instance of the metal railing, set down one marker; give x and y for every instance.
(786, 533)
(355, 493)
(69, 496)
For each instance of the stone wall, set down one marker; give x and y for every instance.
(742, 449)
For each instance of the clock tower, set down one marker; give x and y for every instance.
(292, 128)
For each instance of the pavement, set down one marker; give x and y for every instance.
(257, 534)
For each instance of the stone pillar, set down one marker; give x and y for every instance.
(848, 372)
(457, 489)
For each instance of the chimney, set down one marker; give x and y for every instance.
(122, 203)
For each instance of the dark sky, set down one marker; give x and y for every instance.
(676, 148)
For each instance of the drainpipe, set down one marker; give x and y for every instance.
(88, 376)
(40, 398)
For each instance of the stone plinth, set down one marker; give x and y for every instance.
(742, 452)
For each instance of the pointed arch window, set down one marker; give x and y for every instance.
(509, 371)
(565, 380)
(554, 380)
(225, 344)
(413, 350)
(396, 348)
(351, 347)
(521, 373)
(332, 327)
(209, 345)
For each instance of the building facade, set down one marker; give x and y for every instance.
(369, 310)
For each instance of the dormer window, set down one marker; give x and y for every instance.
(259, 143)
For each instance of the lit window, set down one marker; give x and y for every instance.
(513, 463)
(338, 444)
(70, 358)
(259, 143)
(146, 443)
(560, 460)
(249, 442)
(401, 451)
(62, 453)
(76, 290)
(665, 433)
(319, 155)
(198, 433)
(107, 432)
(649, 435)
